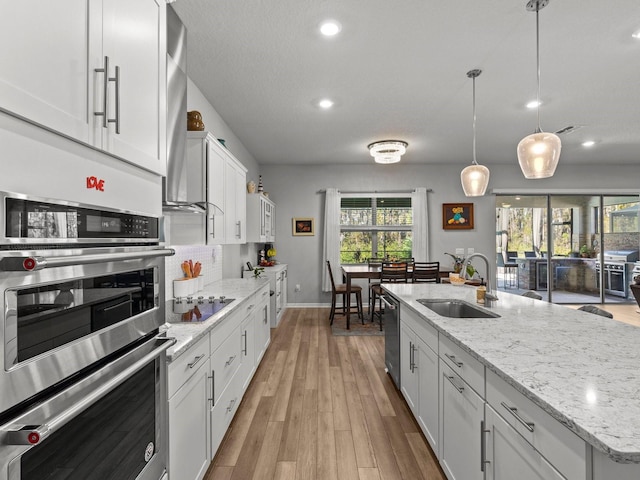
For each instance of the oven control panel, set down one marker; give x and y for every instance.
(36, 221)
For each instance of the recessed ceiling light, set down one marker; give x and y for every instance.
(330, 28)
(588, 143)
(533, 104)
(636, 34)
(325, 103)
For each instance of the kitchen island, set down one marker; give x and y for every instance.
(578, 368)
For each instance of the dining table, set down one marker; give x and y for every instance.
(350, 272)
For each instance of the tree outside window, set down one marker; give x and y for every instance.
(375, 227)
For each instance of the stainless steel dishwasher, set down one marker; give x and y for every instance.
(391, 322)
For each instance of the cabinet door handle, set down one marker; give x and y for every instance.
(411, 356)
(414, 348)
(457, 387)
(213, 388)
(483, 446)
(244, 335)
(264, 294)
(514, 411)
(239, 225)
(116, 120)
(105, 88)
(213, 227)
(453, 359)
(230, 361)
(195, 360)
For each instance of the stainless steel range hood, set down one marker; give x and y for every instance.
(174, 185)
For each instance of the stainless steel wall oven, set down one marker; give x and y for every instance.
(83, 377)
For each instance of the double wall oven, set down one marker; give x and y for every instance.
(83, 367)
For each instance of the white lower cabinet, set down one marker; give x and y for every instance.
(188, 427)
(262, 316)
(508, 455)
(207, 382)
(461, 416)
(222, 413)
(419, 373)
(189, 390)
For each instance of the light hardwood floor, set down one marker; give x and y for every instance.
(322, 407)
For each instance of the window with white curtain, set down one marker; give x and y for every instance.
(375, 226)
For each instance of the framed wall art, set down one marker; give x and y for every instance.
(303, 226)
(457, 216)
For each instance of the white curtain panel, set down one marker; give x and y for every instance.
(331, 250)
(420, 223)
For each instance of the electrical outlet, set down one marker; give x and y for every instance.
(298, 287)
(459, 251)
(471, 250)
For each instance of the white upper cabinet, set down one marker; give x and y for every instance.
(55, 76)
(261, 215)
(45, 70)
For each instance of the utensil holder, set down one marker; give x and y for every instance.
(184, 287)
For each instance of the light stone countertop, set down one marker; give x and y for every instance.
(581, 368)
(186, 334)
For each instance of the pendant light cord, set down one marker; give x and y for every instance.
(538, 59)
(474, 121)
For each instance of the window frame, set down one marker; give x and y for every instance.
(373, 228)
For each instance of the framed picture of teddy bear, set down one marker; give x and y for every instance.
(457, 216)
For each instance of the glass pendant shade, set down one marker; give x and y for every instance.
(475, 179)
(538, 154)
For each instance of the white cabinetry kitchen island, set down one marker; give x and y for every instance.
(542, 391)
(210, 367)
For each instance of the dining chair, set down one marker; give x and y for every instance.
(596, 310)
(428, 272)
(530, 254)
(391, 272)
(511, 256)
(374, 262)
(341, 289)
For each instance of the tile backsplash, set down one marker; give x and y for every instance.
(209, 256)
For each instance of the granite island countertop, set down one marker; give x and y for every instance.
(187, 333)
(581, 368)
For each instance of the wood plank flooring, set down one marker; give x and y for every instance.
(322, 407)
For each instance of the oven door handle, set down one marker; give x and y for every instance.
(33, 263)
(17, 434)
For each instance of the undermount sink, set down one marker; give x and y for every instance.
(456, 308)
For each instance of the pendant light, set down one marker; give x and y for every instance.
(475, 178)
(538, 153)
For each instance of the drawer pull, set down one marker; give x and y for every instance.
(453, 359)
(195, 360)
(231, 404)
(458, 387)
(230, 361)
(514, 411)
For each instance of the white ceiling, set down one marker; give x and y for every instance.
(398, 71)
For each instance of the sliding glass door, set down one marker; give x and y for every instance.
(569, 248)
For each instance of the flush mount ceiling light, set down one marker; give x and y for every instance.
(475, 178)
(538, 153)
(588, 143)
(387, 151)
